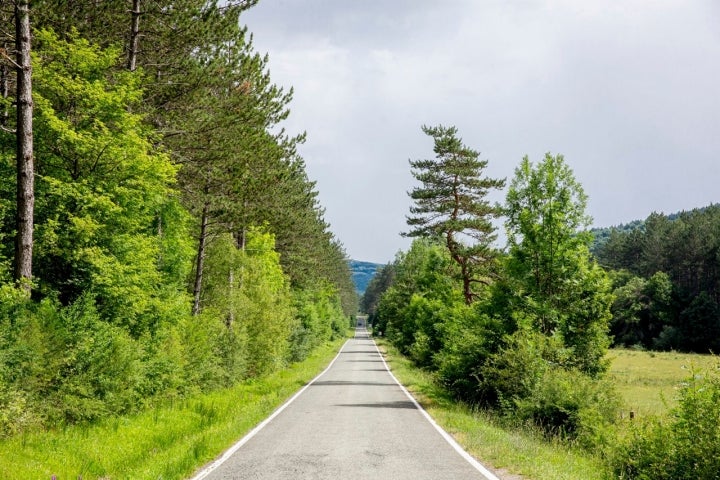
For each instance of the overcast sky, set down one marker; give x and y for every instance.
(627, 90)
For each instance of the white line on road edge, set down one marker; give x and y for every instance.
(229, 452)
(448, 438)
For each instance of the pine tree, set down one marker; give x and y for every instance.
(25, 162)
(452, 205)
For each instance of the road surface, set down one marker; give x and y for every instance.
(352, 422)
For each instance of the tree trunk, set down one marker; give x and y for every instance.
(230, 319)
(134, 36)
(202, 242)
(24, 135)
(4, 89)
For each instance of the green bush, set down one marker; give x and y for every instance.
(684, 446)
(96, 366)
(514, 371)
(532, 381)
(470, 341)
(571, 405)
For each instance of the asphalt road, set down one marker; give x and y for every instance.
(352, 422)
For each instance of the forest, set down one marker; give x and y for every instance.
(523, 332)
(666, 281)
(159, 235)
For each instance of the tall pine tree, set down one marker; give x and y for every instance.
(452, 205)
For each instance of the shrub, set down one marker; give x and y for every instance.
(570, 404)
(514, 371)
(684, 446)
(470, 340)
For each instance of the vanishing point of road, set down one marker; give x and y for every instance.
(354, 421)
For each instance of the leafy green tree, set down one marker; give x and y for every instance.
(562, 290)
(380, 282)
(452, 205)
(641, 309)
(105, 187)
(411, 311)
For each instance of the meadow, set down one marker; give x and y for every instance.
(649, 381)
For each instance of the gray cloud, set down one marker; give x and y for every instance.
(627, 91)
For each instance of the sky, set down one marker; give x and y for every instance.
(627, 91)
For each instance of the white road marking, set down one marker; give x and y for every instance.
(229, 452)
(448, 438)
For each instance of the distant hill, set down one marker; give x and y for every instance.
(600, 235)
(362, 273)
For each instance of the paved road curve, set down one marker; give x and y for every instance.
(353, 422)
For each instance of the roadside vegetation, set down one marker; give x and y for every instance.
(159, 237)
(519, 337)
(168, 441)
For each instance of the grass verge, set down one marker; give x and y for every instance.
(168, 442)
(509, 451)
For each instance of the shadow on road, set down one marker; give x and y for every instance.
(398, 404)
(335, 383)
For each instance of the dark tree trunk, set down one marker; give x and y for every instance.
(24, 135)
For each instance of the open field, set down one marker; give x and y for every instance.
(649, 381)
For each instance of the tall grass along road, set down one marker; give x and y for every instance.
(353, 421)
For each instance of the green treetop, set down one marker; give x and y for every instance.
(451, 205)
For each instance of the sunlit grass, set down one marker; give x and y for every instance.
(510, 450)
(164, 443)
(649, 381)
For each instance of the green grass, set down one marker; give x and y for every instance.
(169, 442)
(519, 451)
(649, 381)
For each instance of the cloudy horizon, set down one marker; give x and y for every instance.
(626, 91)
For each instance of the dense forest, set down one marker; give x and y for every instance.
(158, 232)
(666, 281)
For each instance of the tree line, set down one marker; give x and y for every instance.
(158, 231)
(523, 331)
(666, 281)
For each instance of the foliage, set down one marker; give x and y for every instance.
(471, 338)
(684, 248)
(558, 287)
(572, 405)
(103, 188)
(423, 284)
(451, 205)
(685, 446)
(640, 309)
(130, 164)
(380, 282)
